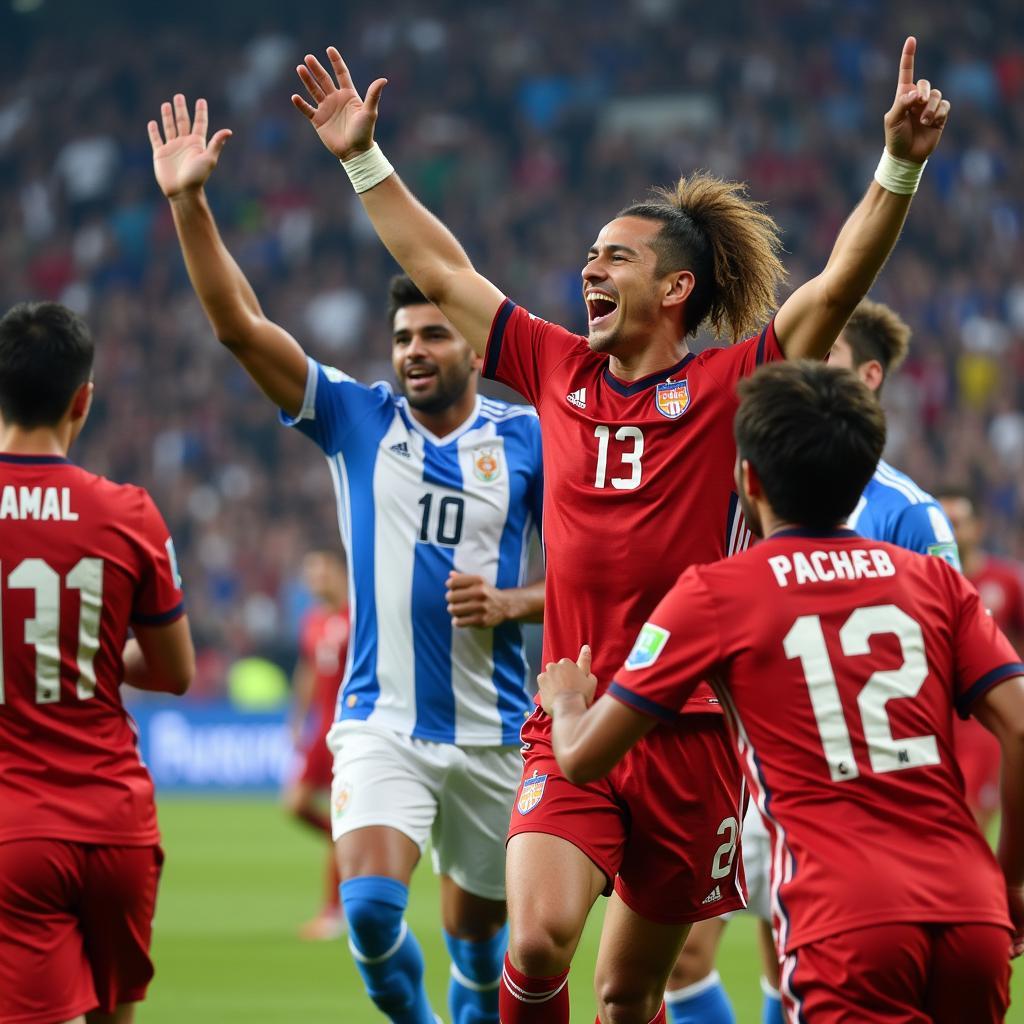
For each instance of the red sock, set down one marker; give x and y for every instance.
(525, 1000)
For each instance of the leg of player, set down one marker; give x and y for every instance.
(970, 974)
(300, 802)
(376, 864)
(771, 1006)
(544, 931)
(695, 993)
(476, 934)
(633, 965)
(123, 1014)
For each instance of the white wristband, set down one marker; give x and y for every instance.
(368, 169)
(899, 176)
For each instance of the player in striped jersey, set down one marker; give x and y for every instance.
(438, 490)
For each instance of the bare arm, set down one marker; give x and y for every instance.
(425, 249)
(182, 164)
(472, 601)
(302, 695)
(161, 658)
(588, 743)
(809, 321)
(1001, 711)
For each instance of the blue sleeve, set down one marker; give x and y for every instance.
(926, 529)
(334, 404)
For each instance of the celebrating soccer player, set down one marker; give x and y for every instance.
(323, 649)
(438, 490)
(839, 687)
(82, 561)
(638, 459)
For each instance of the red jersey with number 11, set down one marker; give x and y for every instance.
(839, 661)
(638, 477)
(81, 559)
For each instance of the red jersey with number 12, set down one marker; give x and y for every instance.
(839, 661)
(80, 559)
(638, 477)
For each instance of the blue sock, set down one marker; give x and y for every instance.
(771, 1008)
(703, 1002)
(476, 977)
(386, 952)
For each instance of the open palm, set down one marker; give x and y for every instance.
(343, 120)
(185, 160)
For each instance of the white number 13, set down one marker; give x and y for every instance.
(628, 458)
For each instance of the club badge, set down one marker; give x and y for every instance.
(486, 465)
(672, 398)
(531, 793)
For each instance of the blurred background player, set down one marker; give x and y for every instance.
(82, 561)
(323, 649)
(438, 492)
(840, 689)
(1000, 584)
(620, 411)
(892, 508)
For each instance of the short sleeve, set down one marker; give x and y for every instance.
(983, 657)
(158, 597)
(925, 529)
(334, 403)
(678, 647)
(523, 350)
(729, 365)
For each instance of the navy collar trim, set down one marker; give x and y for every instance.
(645, 382)
(799, 531)
(35, 460)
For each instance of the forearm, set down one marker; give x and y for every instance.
(1011, 830)
(137, 672)
(223, 290)
(524, 604)
(569, 740)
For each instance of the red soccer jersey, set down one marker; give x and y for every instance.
(324, 645)
(81, 558)
(839, 661)
(1002, 592)
(638, 477)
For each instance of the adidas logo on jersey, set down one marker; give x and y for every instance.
(578, 398)
(402, 448)
(714, 896)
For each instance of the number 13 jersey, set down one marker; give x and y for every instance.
(413, 507)
(638, 478)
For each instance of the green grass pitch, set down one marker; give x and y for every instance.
(238, 881)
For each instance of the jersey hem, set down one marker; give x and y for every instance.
(645, 706)
(88, 838)
(162, 618)
(491, 741)
(908, 916)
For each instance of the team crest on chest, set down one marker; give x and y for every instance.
(487, 464)
(531, 793)
(672, 398)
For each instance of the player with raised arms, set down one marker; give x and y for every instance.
(438, 491)
(83, 561)
(839, 688)
(638, 459)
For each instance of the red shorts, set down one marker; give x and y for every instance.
(317, 760)
(979, 756)
(663, 826)
(901, 974)
(75, 927)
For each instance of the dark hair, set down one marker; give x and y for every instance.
(402, 292)
(874, 331)
(814, 434)
(46, 354)
(965, 492)
(711, 227)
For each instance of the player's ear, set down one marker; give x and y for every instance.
(871, 373)
(751, 482)
(679, 287)
(81, 401)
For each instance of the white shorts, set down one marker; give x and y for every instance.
(757, 863)
(459, 797)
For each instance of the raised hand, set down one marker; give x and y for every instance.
(182, 158)
(343, 120)
(914, 123)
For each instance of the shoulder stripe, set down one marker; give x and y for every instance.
(902, 483)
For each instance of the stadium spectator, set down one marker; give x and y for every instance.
(860, 791)
(84, 561)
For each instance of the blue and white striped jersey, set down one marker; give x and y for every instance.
(412, 507)
(894, 509)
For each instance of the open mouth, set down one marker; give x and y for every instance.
(419, 376)
(601, 307)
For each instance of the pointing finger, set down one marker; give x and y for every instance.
(907, 63)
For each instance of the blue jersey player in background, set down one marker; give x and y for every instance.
(438, 491)
(893, 508)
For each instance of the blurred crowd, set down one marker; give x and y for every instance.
(525, 127)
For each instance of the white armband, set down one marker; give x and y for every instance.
(368, 169)
(899, 176)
